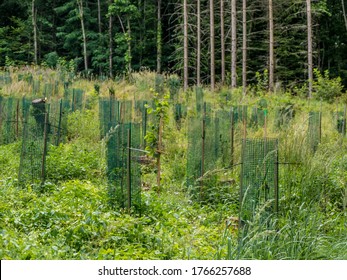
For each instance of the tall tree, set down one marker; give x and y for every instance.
(309, 47)
(344, 13)
(212, 46)
(84, 35)
(124, 10)
(185, 45)
(110, 42)
(222, 39)
(198, 43)
(233, 44)
(271, 47)
(159, 38)
(244, 46)
(34, 23)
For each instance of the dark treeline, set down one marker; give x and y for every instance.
(116, 37)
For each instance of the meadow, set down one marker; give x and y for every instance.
(69, 215)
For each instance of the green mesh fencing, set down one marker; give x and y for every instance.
(314, 130)
(77, 99)
(124, 142)
(194, 153)
(123, 168)
(257, 117)
(224, 137)
(125, 111)
(27, 77)
(11, 119)
(259, 177)
(340, 118)
(5, 78)
(159, 84)
(108, 114)
(50, 90)
(34, 143)
(209, 150)
(35, 88)
(240, 113)
(57, 122)
(174, 85)
(141, 115)
(180, 112)
(284, 115)
(199, 99)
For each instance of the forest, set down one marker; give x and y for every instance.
(204, 42)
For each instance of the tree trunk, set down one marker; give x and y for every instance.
(99, 17)
(129, 57)
(344, 13)
(34, 22)
(233, 44)
(84, 36)
(110, 42)
(222, 39)
(159, 38)
(271, 48)
(309, 48)
(185, 45)
(212, 46)
(244, 47)
(198, 45)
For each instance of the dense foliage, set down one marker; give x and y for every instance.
(117, 37)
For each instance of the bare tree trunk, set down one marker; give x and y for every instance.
(110, 42)
(159, 38)
(198, 45)
(185, 45)
(84, 36)
(244, 47)
(222, 39)
(344, 13)
(309, 48)
(99, 30)
(99, 17)
(34, 22)
(271, 48)
(233, 44)
(129, 57)
(212, 46)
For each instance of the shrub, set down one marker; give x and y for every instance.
(326, 88)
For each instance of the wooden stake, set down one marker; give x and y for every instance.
(129, 169)
(17, 120)
(203, 151)
(159, 151)
(232, 137)
(43, 166)
(59, 122)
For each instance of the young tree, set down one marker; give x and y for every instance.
(124, 10)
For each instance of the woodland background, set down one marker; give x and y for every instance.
(205, 42)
